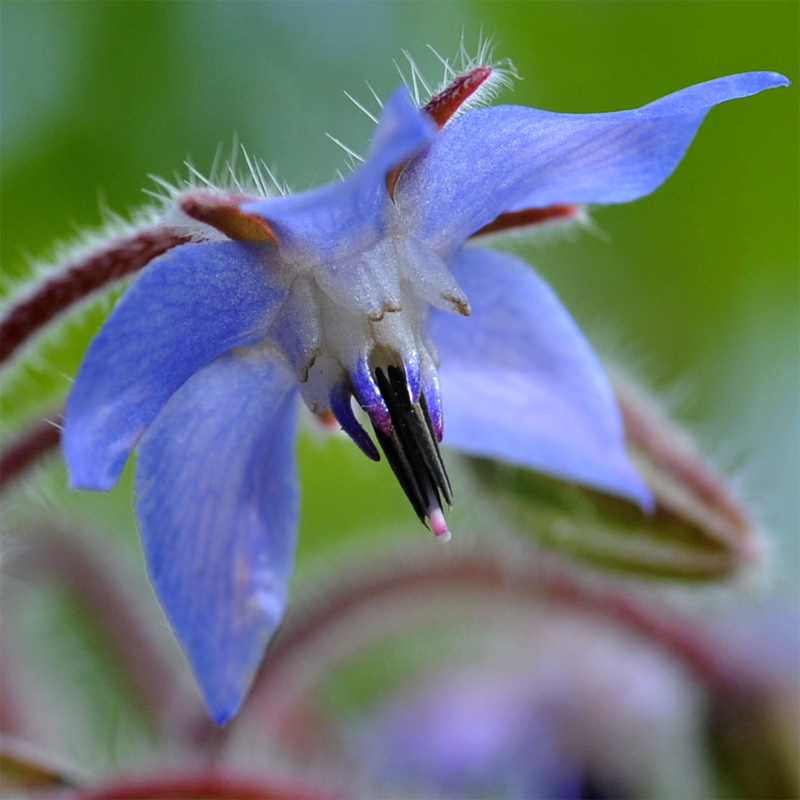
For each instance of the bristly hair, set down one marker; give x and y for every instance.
(503, 74)
(257, 180)
(160, 221)
(224, 177)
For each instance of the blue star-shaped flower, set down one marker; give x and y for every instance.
(362, 289)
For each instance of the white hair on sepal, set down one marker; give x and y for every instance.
(224, 178)
(355, 158)
(116, 232)
(257, 171)
(361, 107)
(503, 74)
(375, 95)
(258, 180)
(417, 79)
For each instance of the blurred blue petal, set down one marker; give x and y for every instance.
(186, 308)
(475, 735)
(217, 500)
(521, 384)
(509, 157)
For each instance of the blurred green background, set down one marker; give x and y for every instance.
(695, 288)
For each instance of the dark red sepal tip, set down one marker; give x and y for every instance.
(224, 214)
(442, 106)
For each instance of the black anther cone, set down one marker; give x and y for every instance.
(412, 450)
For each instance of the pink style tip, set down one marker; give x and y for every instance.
(439, 525)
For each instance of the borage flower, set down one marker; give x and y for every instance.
(365, 290)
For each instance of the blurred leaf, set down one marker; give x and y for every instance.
(26, 768)
(753, 739)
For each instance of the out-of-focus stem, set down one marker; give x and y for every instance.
(460, 574)
(43, 552)
(200, 785)
(35, 441)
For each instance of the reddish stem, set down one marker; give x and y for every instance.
(85, 570)
(677, 459)
(119, 258)
(37, 440)
(208, 785)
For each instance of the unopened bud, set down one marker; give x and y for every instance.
(697, 531)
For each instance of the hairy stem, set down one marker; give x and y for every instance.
(78, 279)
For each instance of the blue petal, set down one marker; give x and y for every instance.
(402, 129)
(520, 383)
(217, 501)
(345, 217)
(509, 157)
(186, 308)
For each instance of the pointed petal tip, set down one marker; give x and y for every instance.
(560, 159)
(89, 473)
(223, 712)
(221, 716)
(86, 483)
(752, 82)
(779, 79)
(531, 393)
(223, 695)
(217, 503)
(641, 494)
(402, 130)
